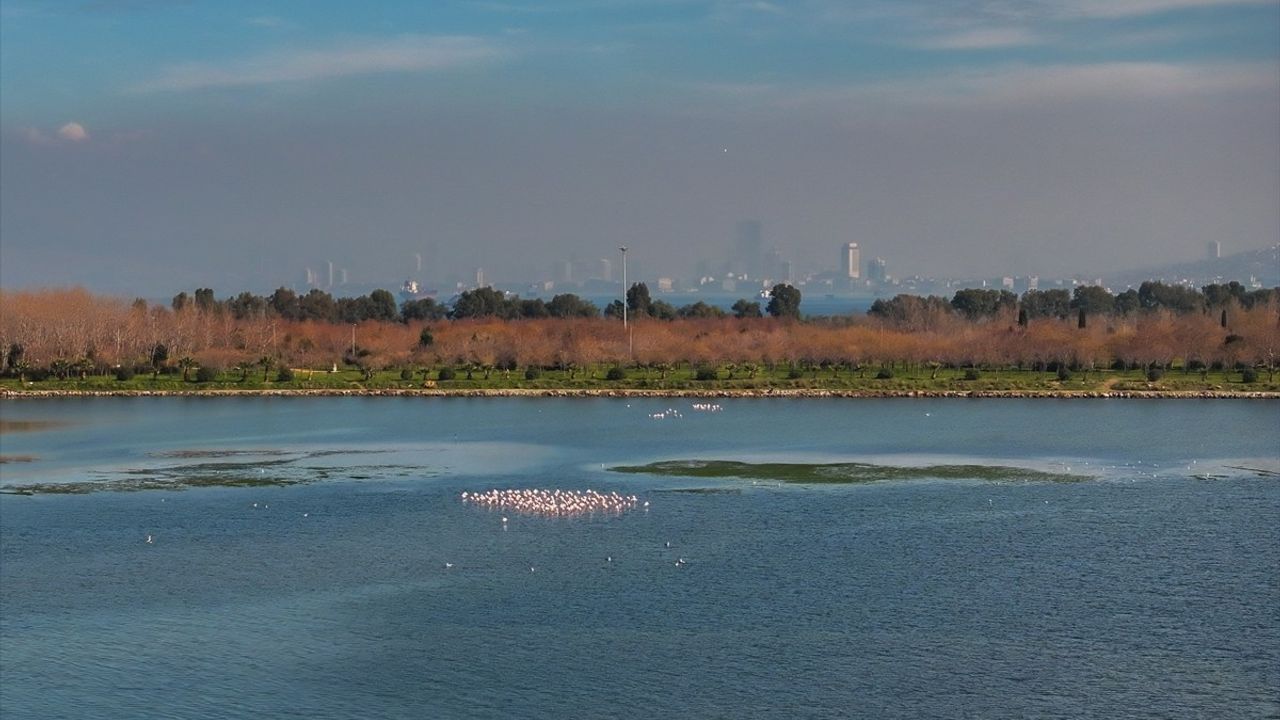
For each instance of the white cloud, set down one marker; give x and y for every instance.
(1014, 85)
(73, 132)
(1134, 8)
(405, 53)
(983, 39)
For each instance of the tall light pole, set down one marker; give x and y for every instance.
(624, 285)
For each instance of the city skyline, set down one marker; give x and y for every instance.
(147, 146)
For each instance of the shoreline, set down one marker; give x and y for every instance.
(650, 393)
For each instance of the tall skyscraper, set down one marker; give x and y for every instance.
(851, 261)
(748, 255)
(877, 271)
(1215, 250)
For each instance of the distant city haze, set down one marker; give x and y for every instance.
(147, 148)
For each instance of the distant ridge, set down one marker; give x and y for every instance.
(1262, 266)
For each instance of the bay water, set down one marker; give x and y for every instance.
(314, 560)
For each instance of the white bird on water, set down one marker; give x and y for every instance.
(150, 540)
(448, 565)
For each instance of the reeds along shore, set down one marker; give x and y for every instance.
(642, 393)
(69, 333)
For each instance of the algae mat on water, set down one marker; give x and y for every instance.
(827, 473)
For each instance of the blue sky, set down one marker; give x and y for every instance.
(1056, 137)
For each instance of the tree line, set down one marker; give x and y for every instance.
(380, 305)
(72, 332)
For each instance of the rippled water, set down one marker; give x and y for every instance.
(1149, 591)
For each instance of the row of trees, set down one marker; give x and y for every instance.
(1084, 301)
(784, 301)
(83, 333)
(381, 305)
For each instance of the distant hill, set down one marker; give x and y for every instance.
(1262, 266)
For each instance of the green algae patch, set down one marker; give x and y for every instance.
(843, 473)
(148, 483)
(18, 426)
(226, 469)
(6, 459)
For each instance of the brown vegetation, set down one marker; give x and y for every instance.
(83, 332)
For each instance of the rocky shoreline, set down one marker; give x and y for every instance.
(648, 393)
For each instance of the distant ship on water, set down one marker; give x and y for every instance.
(411, 290)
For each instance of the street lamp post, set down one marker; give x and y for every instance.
(623, 249)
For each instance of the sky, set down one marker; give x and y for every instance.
(151, 146)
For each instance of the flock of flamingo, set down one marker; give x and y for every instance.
(553, 503)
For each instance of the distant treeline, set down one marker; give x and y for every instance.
(1083, 301)
(975, 304)
(72, 332)
(319, 305)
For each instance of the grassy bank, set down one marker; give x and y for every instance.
(687, 380)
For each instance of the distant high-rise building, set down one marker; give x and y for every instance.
(562, 271)
(343, 275)
(851, 260)
(330, 263)
(480, 278)
(877, 271)
(606, 269)
(747, 252)
(1215, 250)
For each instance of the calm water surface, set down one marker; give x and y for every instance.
(1148, 591)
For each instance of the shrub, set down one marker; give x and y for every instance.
(1154, 374)
(285, 375)
(616, 373)
(532, 373)
(1196, 365)
(425, 338)
(885, 374)
(206, 373)
(447, 373)
(972, 374)
(406, 374)
(124, 374)
(1064, 374)
(1249, 375)
(705, 372)
(794, 373)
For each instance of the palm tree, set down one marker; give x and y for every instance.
(187, 363)
(60, 368)
(267, 362)
(21, 367)
(83, 366)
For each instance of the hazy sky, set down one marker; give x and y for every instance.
(150, 146)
